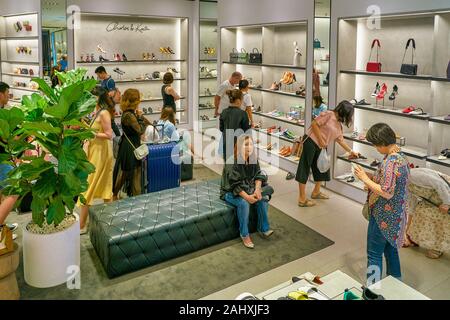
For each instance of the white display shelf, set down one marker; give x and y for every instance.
(208, 78)
(435, 160)
(152, 114)
(283, 93)
(146, 80)
(24, 89)
(285, 120)
(208, 108)
(286, 164)
(275, 135)
(20, 38)
(388, 75)
(440, 79)
(157, 99)
(166, 61)
(18, 75)
(395, 112)
(207, 96)
(440, 120)
(412, 151)
(208, 60)
(357, 184)
(363, 163)
(267, 65)
(31, 63)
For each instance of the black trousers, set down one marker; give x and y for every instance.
(308, 163)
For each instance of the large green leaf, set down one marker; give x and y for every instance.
(13, 116)
(31, 171)
(67, 160)
(40, 126)
(70, 185)
(68, 96)
(56, 211)
(38, 206)
(4, 157)
(4, 129)
(84, 106)
(46, 89)
(46, 186)
(80, 134)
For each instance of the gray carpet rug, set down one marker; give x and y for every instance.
(190, 277)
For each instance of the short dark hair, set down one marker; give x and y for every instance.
(168, 78)
(381, 135)
(100, 69)
(243, 84)
(345, 111)
(3, 87)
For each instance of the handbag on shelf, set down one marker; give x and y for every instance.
(317, 44)
(141, 152)
(374, 66)
(243, 56)
(6, 240)
(234, 56)
(409, 68)
(256, 56)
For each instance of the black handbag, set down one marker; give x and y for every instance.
(234, 56)
(256, 56)
(409, 69)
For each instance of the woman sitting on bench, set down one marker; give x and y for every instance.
(242, 186)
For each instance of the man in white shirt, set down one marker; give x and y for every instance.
(221, 100)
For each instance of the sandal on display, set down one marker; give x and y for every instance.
(377, 90)
(362, 103)
(394, 93)
(370, 295)
(418, 111)
(124, 57)
(350, 179)
(354, 101)
(307, 204)
(100, 49)
(382, 92)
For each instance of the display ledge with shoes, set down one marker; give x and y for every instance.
(281, 116)
(441, 119)
(290, 153)
(283, 134)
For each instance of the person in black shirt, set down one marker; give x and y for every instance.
(233, 122)
(169, 95)
(242, 186)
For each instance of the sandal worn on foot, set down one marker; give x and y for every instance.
(307, 204)
(320, 196)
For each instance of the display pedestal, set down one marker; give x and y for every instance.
(9, 263)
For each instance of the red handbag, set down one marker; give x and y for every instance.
(374, 66)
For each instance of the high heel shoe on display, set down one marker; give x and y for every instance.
(103, 59)
(100, 49)
(394, 93)
(170, 50)
(124, 57)
(377, 90)
(382, 92)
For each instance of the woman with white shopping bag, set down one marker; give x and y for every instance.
(325, 129)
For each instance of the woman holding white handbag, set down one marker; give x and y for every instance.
(325, 129)
(128, 168)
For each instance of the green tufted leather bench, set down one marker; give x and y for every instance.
(139, 232)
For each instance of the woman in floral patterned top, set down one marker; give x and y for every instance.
(387, 202)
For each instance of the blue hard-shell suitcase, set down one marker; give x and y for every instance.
(163, 167)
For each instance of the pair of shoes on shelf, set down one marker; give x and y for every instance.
(413, 110)
(165, 50)
(148, 56)
(381, 91)
(301, 91)
(119, 72)
(172, 70)
(209, 51)
(275, 86)
(360, 102)
(271, 146)
(204, 118)
(288, 78)
(285, 152)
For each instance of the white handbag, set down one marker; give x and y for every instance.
(140, 152)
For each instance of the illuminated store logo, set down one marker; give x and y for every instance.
(115, 26)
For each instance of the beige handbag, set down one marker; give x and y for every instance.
(141, 152)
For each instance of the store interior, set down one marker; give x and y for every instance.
(290, 56)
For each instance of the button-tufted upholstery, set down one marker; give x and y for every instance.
(135, 233)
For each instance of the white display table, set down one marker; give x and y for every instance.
(335, 284)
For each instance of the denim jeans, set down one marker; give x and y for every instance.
(4, 170)
(243, 212)
(377, 245)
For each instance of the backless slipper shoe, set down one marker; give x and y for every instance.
(307, 204)
(363, 103)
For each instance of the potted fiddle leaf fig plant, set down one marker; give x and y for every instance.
(56, 175)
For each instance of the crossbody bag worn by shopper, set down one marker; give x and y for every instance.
(141, 152)
(409, 68)
(374, 66)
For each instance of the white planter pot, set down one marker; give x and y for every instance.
(47, 258)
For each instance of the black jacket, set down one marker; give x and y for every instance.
(233, 118)
(241, 177)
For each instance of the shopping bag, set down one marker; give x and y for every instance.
(324, 161)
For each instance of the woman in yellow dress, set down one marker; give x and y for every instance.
(100, 154)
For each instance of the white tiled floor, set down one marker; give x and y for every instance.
(340, 220)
